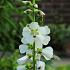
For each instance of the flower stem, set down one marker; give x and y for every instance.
(33, 11)
(33, 1)
(34, 61)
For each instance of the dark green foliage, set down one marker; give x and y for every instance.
(9, 62)
(60, 33)
(60, 36)
(10, 26)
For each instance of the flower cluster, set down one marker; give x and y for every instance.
(34, 36)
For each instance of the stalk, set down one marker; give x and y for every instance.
(34, 61)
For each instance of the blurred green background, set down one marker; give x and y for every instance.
(12, 21)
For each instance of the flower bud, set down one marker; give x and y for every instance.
(26, 2)
(30, 46)
(29, 55)
(27, 11)
(39, 50)
(35, 6)
(28, 65)
(42, 13)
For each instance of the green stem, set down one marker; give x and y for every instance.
(33, 1)
(34, 61)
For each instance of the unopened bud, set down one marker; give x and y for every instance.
(29, 55)
(30, 46)
(39, 50)
(35, 6)
(42, 13)
(28, 65)
(26, 2)
(27, 11)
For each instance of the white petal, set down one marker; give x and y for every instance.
(23, 48)
(27, 40)
(27, 36)
(22, 60)
(47, 53)
(34, 25)
(38, 43)
(44, 30)
(44, 39)
(40, 65)
(26, 32)
(24, 41)
(21, 67)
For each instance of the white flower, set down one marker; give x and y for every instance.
(37, 31)
(21, 67)
(22, 60)
(33, 25)
(47, 53)
(44, 30)
(40, 65)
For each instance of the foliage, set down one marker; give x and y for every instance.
(10, 26)
(60, 36)
(9, 63)
(60, 33)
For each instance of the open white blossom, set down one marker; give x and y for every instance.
(41, 38)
